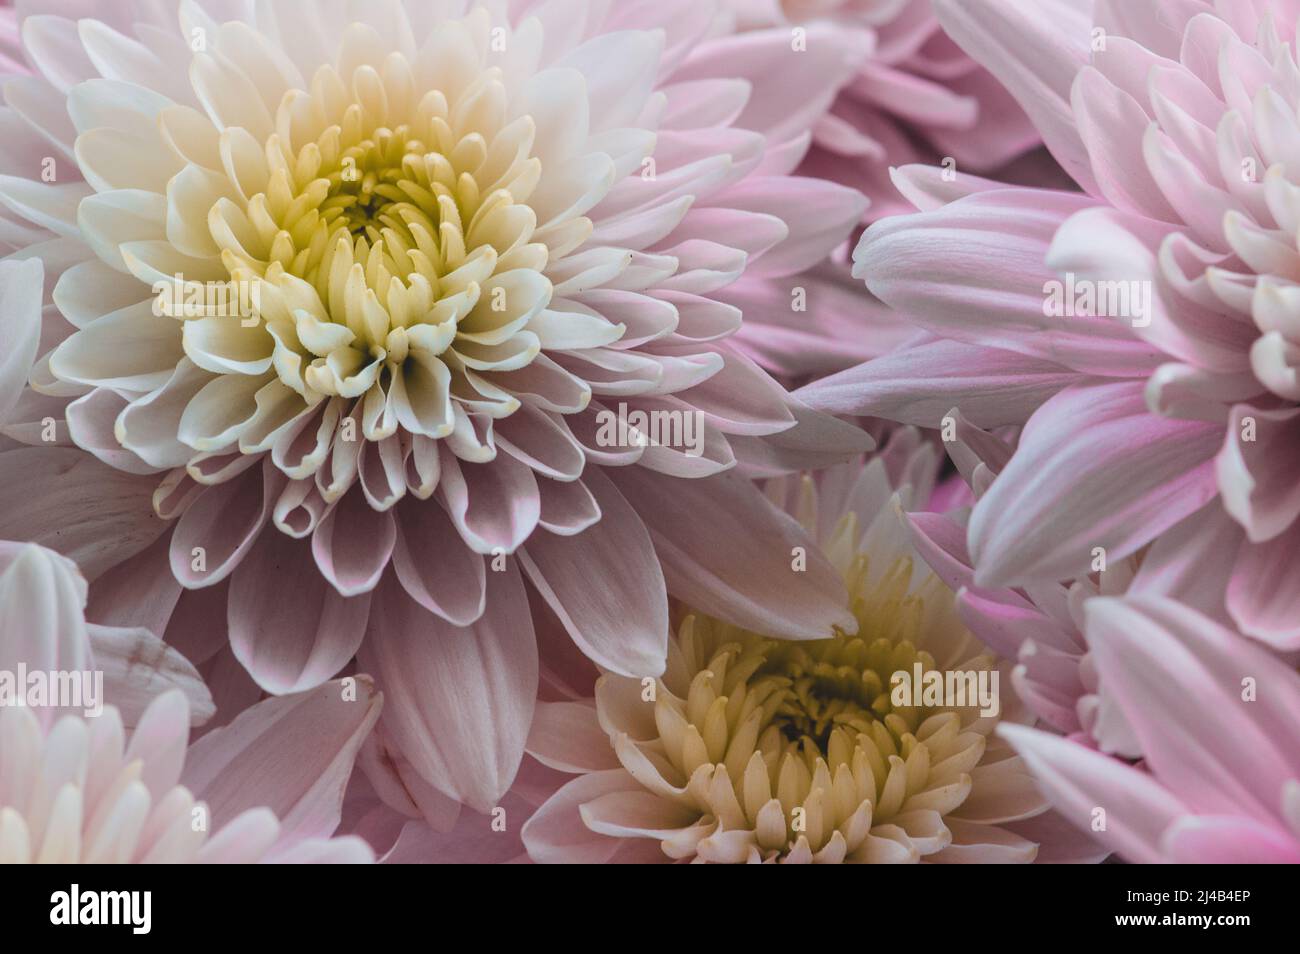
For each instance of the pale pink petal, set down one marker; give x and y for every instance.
(220, 527)
(975, 271)
(1106, 117)
(1264, 590)
(452, 585)
(1192, 562)
(352, 544)
(138, 666)
(567, 736)
(347, 850)
(1035, 50)
(819, 215)
(291, 754)
(399, 786)
(557, 834)
(475, 840)
(1103, 245)
(1094, 469)
(64, 499)
(789, 89)
(20, 327)
(495, 506)
(817, 440)
(567, 507)
(919, 383)
(1257, 476)
(622, 628)
(243, 840)
(1167, 667)
(1080, 781)
(43, 595)
(158, 742)
(288, 626)
(838, 327)
(1229, 840)
(197, 625)
(140, 591)
(459, 699)
(727, 552)
(1058, 841)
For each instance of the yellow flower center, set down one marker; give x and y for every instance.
(389, 238)
(800, 744)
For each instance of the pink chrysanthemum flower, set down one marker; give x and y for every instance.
(1145, 328)
(1215, 715)
(751, 749)
(471, 228)
(916, 97)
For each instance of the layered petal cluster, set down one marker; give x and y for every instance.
(1040, 625)
(1144, 327)
(351, 290)
(77, 787)
(816, 323)
(1215, 715)
(82, 792)
(916, 97)
(750, 749)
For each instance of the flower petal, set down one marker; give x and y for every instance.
(288, 627)
(623, 628)
(311, 739)
(1094, 469)
(460, 700)
(729, 553)
(1080, 780)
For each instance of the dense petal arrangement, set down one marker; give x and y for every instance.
(1040, 626)
(75, 787)
(915, 97)
(397, 462)
(445, 247)
(1215, 715)
(84, 793)
(754, 749)
(1140, 327)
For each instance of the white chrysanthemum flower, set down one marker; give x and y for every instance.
(392, 213)
(448, 243)
(756, 749)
